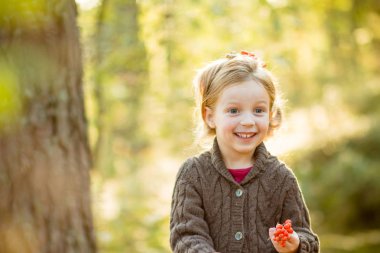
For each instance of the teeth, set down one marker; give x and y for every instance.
(245, 135)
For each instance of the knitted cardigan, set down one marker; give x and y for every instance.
(211, 212)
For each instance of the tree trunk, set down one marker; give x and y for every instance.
(44, 154)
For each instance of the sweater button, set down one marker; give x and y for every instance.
(238, 193)
(238, 236)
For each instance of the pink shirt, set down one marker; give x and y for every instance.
(239, 174)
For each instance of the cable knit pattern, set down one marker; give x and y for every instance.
(211, 212)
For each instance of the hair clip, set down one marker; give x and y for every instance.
(243, 52)
(250, 54)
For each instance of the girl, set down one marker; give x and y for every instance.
(230, 198)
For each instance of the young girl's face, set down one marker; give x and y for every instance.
(241, 118)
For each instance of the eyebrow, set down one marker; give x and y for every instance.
(262, 101)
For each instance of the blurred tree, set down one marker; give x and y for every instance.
(120, 79)
(119, 82)
(44, 153)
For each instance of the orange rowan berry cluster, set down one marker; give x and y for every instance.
(283, 232)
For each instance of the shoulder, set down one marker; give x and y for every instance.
(275, 165)
(279, 170)
(191, 169)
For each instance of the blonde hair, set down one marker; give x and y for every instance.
(213, 78)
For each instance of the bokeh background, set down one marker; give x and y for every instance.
(139, 59)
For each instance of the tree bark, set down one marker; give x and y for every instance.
(44, 153)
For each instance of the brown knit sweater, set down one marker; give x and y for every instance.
(212, 213)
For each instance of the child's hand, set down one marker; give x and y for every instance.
(291, 245)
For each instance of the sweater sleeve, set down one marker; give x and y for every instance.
(295, 209)
(189, 231)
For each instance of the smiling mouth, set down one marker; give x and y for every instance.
(245, 135)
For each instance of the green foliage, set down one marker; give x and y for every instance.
(342, 184)
(10, 104)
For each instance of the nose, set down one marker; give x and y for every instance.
(247, 119)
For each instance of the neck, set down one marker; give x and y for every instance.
(237, 161)
(238, 164)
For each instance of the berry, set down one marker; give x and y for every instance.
(283, 232)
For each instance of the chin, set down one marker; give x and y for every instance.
(245, 149)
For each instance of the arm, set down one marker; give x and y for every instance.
(294, 208)
(189, 231)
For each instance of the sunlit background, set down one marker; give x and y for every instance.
(139, 59)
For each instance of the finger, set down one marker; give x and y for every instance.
(293, 237)
(271, 232)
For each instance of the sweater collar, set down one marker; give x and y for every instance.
(261, 154)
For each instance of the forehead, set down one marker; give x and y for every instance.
(246, 91)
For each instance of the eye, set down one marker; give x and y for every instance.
(259, 110)
(233, 110)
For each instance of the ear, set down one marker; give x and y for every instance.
(209, 117)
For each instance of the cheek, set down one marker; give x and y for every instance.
(230, 125)
(227, 123)
(263, 122)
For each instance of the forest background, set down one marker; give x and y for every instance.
(139, 58)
